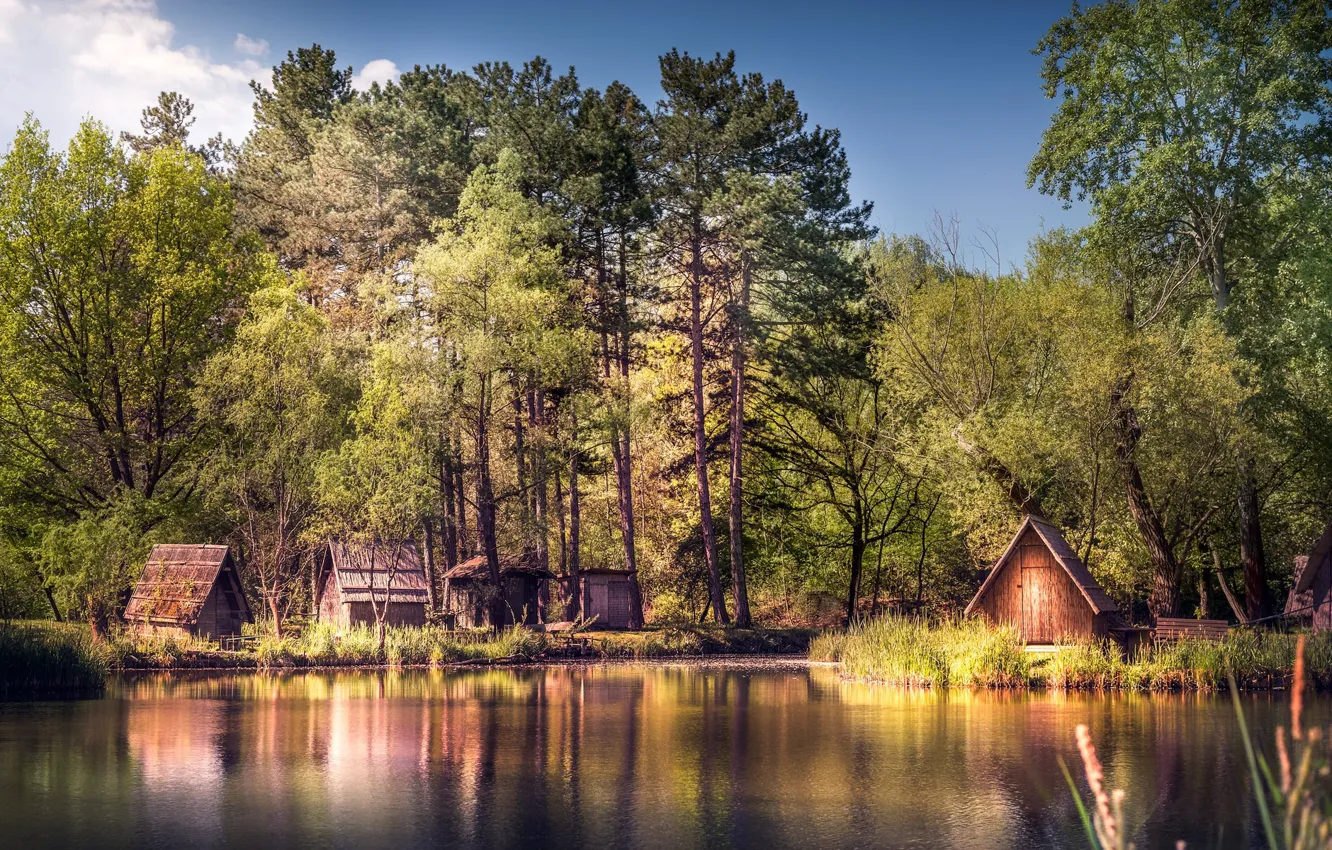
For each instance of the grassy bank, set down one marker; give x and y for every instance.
(970, 653)
(321, 645)
(675, 641)
(50, 659)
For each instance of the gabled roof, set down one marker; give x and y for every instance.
(1318, 559)
(175, 583)
(358, 567)
(1096, 597)
(476, 568)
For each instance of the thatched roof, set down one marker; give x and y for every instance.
(1096, 597)
(477, 569)
(389, 567)
(175, 583)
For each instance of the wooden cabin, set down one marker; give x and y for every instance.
(604, 594)
(1310, 599)
(522, 582)
(188, 591)
(347, 572)
(1042, 587)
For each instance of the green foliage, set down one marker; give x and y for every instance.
(117, 279)
(94, 559)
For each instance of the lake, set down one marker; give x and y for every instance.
(766, 754)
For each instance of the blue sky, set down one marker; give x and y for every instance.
(939, 104)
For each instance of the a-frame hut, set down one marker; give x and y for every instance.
(347, 573)
(1311, 597)
(1042, 587)
(521, 584)
(188, 591)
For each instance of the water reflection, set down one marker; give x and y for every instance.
(651, 756)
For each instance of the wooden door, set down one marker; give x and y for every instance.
(617, 605)
(598, 602)
(1037, 613)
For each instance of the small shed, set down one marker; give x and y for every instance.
(604, 594)
(188, 591)
(348, 572)
(1042, 587)
(522, 581)
(1311, 597)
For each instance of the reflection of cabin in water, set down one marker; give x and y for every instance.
(1042, 587)
(348, 573)
(604, 594)
(521, 583)
(1311, 597)
(188, 591)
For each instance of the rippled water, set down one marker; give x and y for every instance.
(765, 755)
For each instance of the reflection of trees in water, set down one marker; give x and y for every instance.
(625, 756)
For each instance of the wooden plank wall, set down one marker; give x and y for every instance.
(1034, 593)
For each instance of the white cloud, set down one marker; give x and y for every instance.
(375, 71)
(64, 61)
(250, 46)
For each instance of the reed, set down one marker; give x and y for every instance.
(40, 659)
(969, 652)
(916, 653)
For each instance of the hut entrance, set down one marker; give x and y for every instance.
(1037, 614)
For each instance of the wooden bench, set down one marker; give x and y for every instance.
(1181, 628)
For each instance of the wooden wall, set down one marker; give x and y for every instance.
(1033, 592)
(1322, 596)
(606, 596)
(399, 614)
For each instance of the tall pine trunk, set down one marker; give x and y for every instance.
(621, 456)
(537, 445)
(575, 518)
(485, 519)
(739, 319)
(700, 430)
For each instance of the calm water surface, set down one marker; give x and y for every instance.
(766, 755)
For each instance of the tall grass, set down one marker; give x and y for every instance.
(915, 653)
(971, 653)
(323, 645)
(38, 659)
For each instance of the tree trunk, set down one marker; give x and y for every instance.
(485, 497)
(276, 612)
(1257, 602)
(857, 567)
(537, 424)
(575, 521)
(739, 319)
(700, 428)
(452, 504)
(428, 561)
(98, 623)
(520, 462)
(466, 547)
(1164, 599)
(1225, 588)
(621, 456)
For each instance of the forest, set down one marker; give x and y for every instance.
(501, 313)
